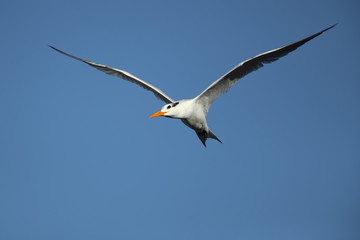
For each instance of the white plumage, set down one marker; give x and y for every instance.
(193, 111)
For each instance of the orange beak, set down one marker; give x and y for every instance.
(157, 114)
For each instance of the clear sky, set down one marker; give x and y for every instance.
(80, 158)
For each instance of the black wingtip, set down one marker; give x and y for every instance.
(321, 32)
(59, 51)
(317, 34)
(329, 27)
(66, 54)
(52, 47)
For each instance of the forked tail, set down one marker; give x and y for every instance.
(203, 136)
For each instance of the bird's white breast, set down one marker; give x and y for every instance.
(193, 114)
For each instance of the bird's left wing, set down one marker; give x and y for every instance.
(224, 83)
(124, 75)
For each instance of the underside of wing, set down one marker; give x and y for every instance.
(123, 75)
(224, 83)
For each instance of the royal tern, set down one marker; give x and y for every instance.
(192, 112)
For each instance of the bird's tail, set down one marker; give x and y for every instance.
(212, 135)
(203, 136)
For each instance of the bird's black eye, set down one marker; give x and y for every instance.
(168, 106)
(174, 105)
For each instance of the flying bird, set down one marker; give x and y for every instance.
(192, 112)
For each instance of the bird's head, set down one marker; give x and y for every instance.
(171, 110)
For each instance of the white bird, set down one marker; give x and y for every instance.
(193, 111)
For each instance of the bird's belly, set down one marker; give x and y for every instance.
(197, 124)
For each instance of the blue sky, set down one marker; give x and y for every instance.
(80, 158)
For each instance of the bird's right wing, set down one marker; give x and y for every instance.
(224, 83)
(123, 75)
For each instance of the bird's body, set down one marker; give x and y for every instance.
(193, 112)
